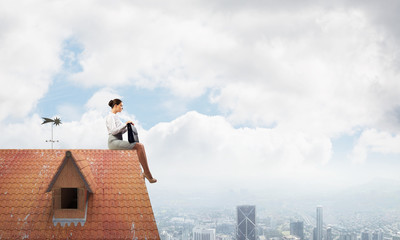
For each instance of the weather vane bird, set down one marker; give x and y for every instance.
(56, 121)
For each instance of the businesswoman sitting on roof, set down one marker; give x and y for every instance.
(115, 130)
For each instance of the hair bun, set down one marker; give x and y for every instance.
(114, 102)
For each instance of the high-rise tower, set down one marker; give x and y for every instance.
(365, 235)
(246, 222)
(329, 235)
(297, 229)
(319, 228)
(202, 233)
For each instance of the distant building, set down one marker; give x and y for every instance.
(365, 235)
(225, 237)
(320, 223)
(290, 237)
(329, 235)
(397, 237)
(348, 236)
(201, 233)
(377, 235)
(246, 222)
(314, 234)
(297, 229)
(165, 236)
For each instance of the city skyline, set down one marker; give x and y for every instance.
(278, 225)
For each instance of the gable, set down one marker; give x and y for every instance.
(72, 174)
(69, 177)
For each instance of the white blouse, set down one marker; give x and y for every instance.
(114, 125)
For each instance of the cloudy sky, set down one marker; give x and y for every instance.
(226, 94)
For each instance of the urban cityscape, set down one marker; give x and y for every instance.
(248, 222)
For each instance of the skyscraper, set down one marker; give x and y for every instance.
(297, 229)
(201, 233)
(365, 235)
(319, 233)
(329, 235)
(246, 222)
(314, 233)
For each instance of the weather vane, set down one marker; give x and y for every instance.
(55, 121)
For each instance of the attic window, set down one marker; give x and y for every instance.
(69, 202)
(69, 198)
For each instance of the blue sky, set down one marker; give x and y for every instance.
(266, 92)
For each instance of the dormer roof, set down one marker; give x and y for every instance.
(81, 165)
(119, 206)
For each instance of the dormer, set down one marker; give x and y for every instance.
(70, 186)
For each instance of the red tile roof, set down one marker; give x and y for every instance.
(119, 207)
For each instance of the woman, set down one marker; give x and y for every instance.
(115, 130)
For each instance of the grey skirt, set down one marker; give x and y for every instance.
(115, 142)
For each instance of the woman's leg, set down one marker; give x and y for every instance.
(143, 161)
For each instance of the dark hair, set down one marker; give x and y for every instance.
(113, 102)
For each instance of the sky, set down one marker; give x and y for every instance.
(228, 96)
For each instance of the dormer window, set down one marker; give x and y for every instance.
(69, 202)
(69, 198)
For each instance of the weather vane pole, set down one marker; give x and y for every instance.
(55, 121)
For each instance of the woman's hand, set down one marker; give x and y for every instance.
(130, 122)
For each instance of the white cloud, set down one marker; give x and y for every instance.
(326, 74)
(327, 78)
(209, 149)
(29, 47)
(375, 141)
(27, 134)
